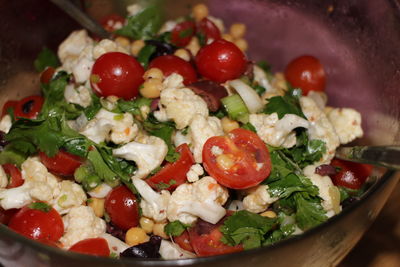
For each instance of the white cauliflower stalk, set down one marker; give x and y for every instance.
(101, 191)
(5, 123)
(258, 199)
(171, 251)
(3, 178)
(195, 171)
(114, 244)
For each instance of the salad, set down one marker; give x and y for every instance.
(166, 141)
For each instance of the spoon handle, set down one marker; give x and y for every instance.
(81, 17)
(385, 156)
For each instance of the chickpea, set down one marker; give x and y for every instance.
(146, 224)
(153, 73)
(135, 236)
(242, 44)
(200, 11)
(158, 229)
(227, 37)
(183, 54)
(237, 30)
(123, 41)
(228, 124)
(97, 204)
(136, 46)
(151, 88)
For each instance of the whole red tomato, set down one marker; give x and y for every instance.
(169, 64)
(63, 163)
(123, 208)
(350, 174)
(117, 74)
(307, 73)
(221, 61)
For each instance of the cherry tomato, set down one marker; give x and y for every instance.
(350, 174)
(92, 246)
(11, 104)
(205, 240)
(38, 221)
(208, 29)
(29, 107)
(184, 241)
(63, 163)
(169, 64)
(15, 175)
(117, 74)
(122, 207)
(175, 171)
(47, 74)
(183, 33)
(112, 22)
(221, 61)
(244, 160)
(6, 215)
(307, 73)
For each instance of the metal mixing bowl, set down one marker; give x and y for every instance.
(357, 42)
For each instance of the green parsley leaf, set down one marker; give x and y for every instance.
(175, 228)
(94, 107)
(145, 54)
(287, 104)
(163, 186)
(102, 169)
(309, 212)
(46, 58)
(249, 126)
(132, 106)
(40, 206)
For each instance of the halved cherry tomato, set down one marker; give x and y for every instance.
(11, 104)
(38, 221)
(117, 74)
(307, 73)
(15, 175)
(175, 171)
(184, 241)
(92, 246)
(183, 33)
(6, 215)
(350, 174)
(123, 207)
(221, 61)
(29, 107)
(112, 22)
(63, 163)
(205, 239)
(169, 64)
(47, 74)
(208, 29)
(239, 160)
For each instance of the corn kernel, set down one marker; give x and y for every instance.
(228, 124)
(227, 37)
(136, 46)
(153, 73)
(183, 54)
(158, 229)
(242, 44)
(135, 236)
(97, 204)
(151, 88)
(146, 224)
(237, 30)
(200, 11)
(269, 213)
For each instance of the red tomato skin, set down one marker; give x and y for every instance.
(176, 170)
(9, 104)
(111, 22)
(47, 74)
(122, 207)
(184, 241)
(208, 29)
(38, 225)
(248, 152)
(188, 28)
(351, 174)
(63, 163)
(6, 215)
(169, 64)
(307, 73)
(29, 107)
(92, 246)
(15, 175)
(117, 74)
(221, 61)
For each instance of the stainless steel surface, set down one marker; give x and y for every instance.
(385, 156)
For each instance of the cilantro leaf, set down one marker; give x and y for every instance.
(94, 107)
(46, 58)
(145, 54)
(40, 206)
(175, 228)
(287, 104)
(309, 212)
(132, 106)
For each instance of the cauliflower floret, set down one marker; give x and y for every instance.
(203, 199)
(81, 223)
(133, 9)
(106, 46)
(153, 204)
(320, 127)
(5, 123)
(194, 172)
(174, 80)
(275, 131)
(347, 124)
(81, 67)
(201, 128)
(74, 45)
(122, 127)
(180, 138)
(80, 95)
(147, 155)
(329, 193)
(171, 251)
(101, 191)
(181, 105)
(258, 199)
(71, 195)
(3, 178)
(320, 98)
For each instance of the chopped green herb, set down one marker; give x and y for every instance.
(287, 104)
(40, 206)
(145, 54)
(175, 228)
(46, 58)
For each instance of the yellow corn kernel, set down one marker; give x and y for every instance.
(242, 44)
(225, 161)
(228, 124)
(227, 37)
(135, 236)
(237, 30)
(123, 41)
(146, 224)
(136, 46)
(183, 54)
(269, 213)
(153, 73)
(200, 11)
(151, 88)
(97, 204)
(158, 229)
